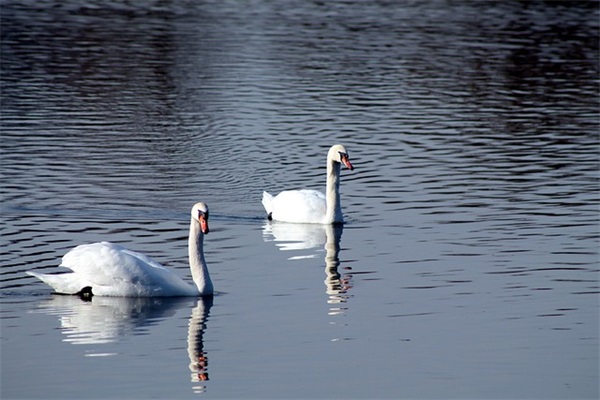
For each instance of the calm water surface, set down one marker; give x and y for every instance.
(468, 266)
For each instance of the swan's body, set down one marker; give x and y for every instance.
(312, 206)
(112, 270)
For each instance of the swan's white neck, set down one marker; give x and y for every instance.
(197, 262)
(332, 193)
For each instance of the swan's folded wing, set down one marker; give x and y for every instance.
(299, 206)
(267, 200)
(104, 263)
(113, 270)
(68, 283)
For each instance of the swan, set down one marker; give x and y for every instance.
(107, 269)
(312, 206)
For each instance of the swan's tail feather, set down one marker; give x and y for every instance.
(267, 201)
(61, 283)
(85, 294)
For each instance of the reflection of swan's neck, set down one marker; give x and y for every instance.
(336, 288)
(332, 194)
(197, 261)
(332, 249)
(198, 358)
(332, 246)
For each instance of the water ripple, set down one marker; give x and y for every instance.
(473, 127)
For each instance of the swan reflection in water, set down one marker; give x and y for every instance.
(307, 241)
(103, 320)
(198, 357)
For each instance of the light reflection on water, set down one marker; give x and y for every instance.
(472, 218)
(105, 320)
(308, 241)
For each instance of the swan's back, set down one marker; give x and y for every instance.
(112, 270)
(311, 206)
(299, 206)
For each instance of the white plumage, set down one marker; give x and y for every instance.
(312, 206)
(112, 270)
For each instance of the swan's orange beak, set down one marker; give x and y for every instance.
(346, 162)
(203, 224)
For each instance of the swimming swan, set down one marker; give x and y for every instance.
(312, 206)
(107, 269)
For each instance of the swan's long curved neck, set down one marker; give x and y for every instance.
(332, 193)
(197, 262)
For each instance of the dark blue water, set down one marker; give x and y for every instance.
(468, 266)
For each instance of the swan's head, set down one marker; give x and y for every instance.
(200, 214)
(339, 154)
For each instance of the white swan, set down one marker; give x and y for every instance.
(312, 206)
(108, 269)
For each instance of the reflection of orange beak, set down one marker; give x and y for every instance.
(347, 163)
(203, 376)
(203, 225)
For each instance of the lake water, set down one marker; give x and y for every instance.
(468, 264)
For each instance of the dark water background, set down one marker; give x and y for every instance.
(468, 267)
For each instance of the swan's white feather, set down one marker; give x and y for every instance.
(267, 201)
(113, 270)
(299, 206)
(312, 206)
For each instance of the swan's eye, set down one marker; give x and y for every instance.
(202, 214)
(343, 155)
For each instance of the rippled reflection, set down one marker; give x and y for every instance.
(296, 237)
(337, 283)
(105, 320)
(198, 356)
(310, 240)
(473, 127)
